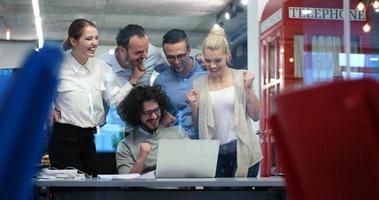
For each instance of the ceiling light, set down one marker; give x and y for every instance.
(8, 34)
(38, 23)
(244, 2)
(7, 29)
(227, 16)
(35, 5)
(375, 5)
(361, 6)
(366, 28)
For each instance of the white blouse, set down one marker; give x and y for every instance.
(85, 91)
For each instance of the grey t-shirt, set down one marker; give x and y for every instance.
(128, 148)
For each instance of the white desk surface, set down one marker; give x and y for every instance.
(166, 182)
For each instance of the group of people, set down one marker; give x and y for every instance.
(191, 98)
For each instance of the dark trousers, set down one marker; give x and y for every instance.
(72, 146)
(227, 161)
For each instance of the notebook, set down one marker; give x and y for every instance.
(187, 158)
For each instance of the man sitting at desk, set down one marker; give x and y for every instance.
(144, 108)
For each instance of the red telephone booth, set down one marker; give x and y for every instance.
(301, 42)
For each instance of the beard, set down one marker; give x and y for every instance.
(180, 68)
(150, 125)
(136, 63)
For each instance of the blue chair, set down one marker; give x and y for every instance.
(24, 109)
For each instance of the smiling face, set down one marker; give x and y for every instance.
(177, 55)
(215, 61)
(150, 116)
(137, 51)
(86, 45)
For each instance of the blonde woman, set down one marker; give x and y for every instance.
(223, 102)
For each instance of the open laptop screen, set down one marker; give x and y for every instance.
(187, 158)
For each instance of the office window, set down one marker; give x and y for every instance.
(111, 133)
(5, 75)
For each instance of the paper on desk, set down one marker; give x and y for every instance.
(117, 176)
(148, 175)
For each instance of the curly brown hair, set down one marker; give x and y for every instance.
(131, 107)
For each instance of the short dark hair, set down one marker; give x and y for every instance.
(75, 31)
(132, 106)
(174, 36)
(127, 32)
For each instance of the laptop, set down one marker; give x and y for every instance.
(187, 158)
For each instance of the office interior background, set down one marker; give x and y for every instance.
(287, 44)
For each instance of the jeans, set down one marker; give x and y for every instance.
(227, 161)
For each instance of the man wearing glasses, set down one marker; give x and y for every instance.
(177, 79)
(144, 108)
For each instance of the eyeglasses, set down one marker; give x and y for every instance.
(174, 57)
(148, 113)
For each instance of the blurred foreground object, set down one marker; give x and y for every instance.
(45, 161)
(328, 140)
(24, 109)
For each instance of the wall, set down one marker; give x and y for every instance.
(12, 53)
(254, 11)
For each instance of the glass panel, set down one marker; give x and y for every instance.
(324, 59)
(111, 133)
(272, 61)
(272, 92)
(239, 56)
(265, 63)
(5, 75)
(323, 45)
(265, 110)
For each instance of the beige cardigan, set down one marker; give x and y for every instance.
(248, 146)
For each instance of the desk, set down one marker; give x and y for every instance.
(165, 188)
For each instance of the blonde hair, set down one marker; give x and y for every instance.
(216, 40)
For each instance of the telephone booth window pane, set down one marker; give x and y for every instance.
(272, 92)
(272, 63)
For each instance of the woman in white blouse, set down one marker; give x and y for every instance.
(85, 90)
(222, 105)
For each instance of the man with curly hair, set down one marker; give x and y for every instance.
(144, 108)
